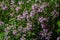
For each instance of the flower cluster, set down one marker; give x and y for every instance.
(29, 20)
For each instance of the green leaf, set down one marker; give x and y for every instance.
(58, 31)
(58, 23)
(1, 35)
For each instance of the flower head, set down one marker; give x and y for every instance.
(42, 20)
(17, 9)
(14, 32)
(58, 38)
(1, 23)
(55, 13)
(32, 13)
(4, 7)
(25, 14)
(19, 17)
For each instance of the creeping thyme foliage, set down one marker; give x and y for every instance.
(29, 20)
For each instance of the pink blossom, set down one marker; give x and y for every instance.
(41, 34)
(4, 7)
(19, 17)
(12, 1)
(24, 30)
(41, 19)
(27, 18)
(45, 30)
(11, 14)
(44, 26)
(33, 6)
(1, 23)
(20, 2)
(14, 32)
(22, 38)
(55, 13)
(29, 24)
(12, 6)
(44, 5)
(25, 14)
(29, 27)
(28, 1)
(20, 28)
(7, 29)
(32, 13)
(58, 38)
(40, 10)
(48, 35)
(17, 9)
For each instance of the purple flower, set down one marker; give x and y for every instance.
(32, 13)
(12, 2)
(20, 28)
(29, 26)
(1, 23)
(19, 17)
(27, 18)
(40, 10)
(7, 29)
(42, 20)
(24, 30)
(55, 13)
(41, 34)
(11, 14)
(48, 35)
(58, 38)
(14, 32)
(20, 2)
(17, 9)
(45, 30)
(25, 14)
(4, 7)
(44, 26)
(45, 35)
(28, 1)
(44, 5)
(22, 38)
(33, 8)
